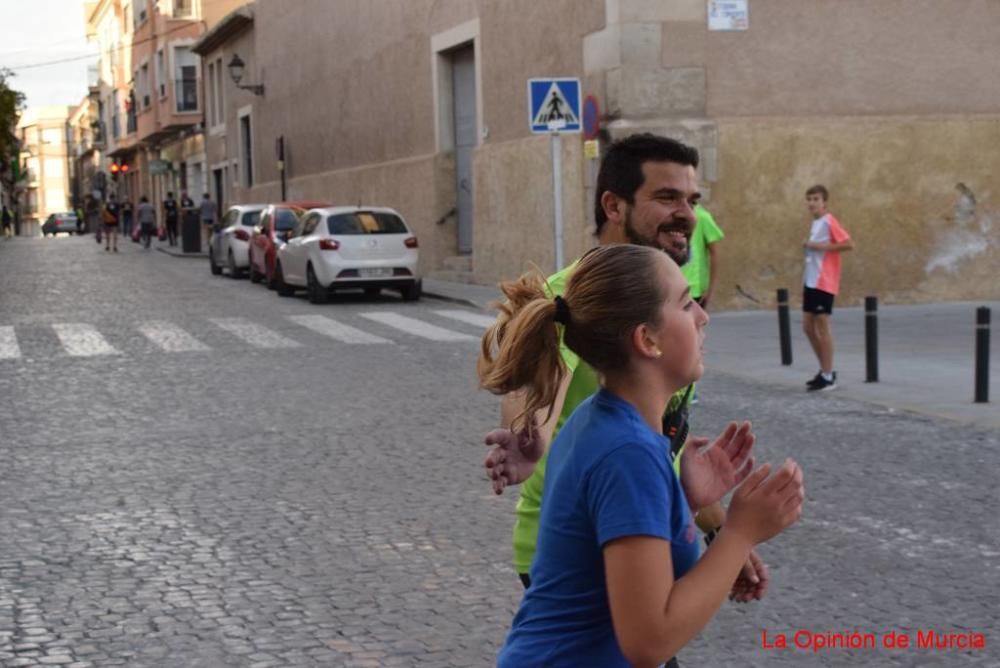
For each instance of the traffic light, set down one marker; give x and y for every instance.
(114, 171)
(124, 168)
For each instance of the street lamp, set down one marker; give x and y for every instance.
(236, 67)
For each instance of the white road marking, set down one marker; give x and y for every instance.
(81, 340)
(170, 337)
(336, 330)
(8, 344)
(417, 327)
(254, 334)
(469, 317)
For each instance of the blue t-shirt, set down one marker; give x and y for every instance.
(609, 476)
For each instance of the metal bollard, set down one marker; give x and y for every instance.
(871, 339)
(784, 329)
(982, 355)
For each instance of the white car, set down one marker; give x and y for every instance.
(349, 247)
(230, 243)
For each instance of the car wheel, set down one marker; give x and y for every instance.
(283, 288)
(411, 292)
(234, 272)
(317, 293)
(216, 269)
(372, 293)
(255, 276)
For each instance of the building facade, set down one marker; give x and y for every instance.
(45, 186)
(884, 102)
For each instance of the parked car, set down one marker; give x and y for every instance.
(61, 222)
(337, 248)
(276, 222)
(230, 241)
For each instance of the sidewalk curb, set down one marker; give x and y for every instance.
(453, 300)
(199, 254)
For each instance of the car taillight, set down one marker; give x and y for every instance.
(411, 242)
(329, 244)
(242, 235)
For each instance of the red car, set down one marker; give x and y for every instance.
(270, 233)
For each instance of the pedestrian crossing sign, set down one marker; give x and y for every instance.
(554, 105)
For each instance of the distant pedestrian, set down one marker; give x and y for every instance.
(126, 216)
(701, 268)
(208, 212)
(111, 215)
(827, 240)
(146, 218)
(189, 212)
(92, 208)
(8, 220)
(170, 214)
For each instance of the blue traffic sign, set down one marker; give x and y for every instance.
(554, 105)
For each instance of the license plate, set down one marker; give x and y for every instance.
(375, 272)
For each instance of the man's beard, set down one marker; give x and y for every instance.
(676, 254)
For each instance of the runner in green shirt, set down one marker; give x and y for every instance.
(646, 191)
(700, 269)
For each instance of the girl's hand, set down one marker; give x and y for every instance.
(765, 506)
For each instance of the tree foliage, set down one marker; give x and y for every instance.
(11, 105)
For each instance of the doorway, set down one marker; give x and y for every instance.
(463, 84)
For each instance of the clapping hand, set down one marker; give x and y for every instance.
(709, 472)
(513, 455)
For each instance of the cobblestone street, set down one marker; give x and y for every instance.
(197, 472)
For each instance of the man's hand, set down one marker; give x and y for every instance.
(751, 583)
(512, 456)
(708, 472)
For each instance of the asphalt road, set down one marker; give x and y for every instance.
(197, 472)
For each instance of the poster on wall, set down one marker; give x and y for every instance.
(728, 15)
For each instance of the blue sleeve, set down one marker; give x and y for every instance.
(628, 494)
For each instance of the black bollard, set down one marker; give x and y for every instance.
(871, 339)
(982, 355)
(784, 329)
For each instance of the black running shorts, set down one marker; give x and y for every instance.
(817, 301)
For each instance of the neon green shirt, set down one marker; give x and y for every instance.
(584, 382)
(706, 232)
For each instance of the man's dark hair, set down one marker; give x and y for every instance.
(819, 190)
(621, 168)
(143, 199)
(170, 194)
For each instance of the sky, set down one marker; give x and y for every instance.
(37, 31)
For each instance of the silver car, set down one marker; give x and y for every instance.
(230, 244)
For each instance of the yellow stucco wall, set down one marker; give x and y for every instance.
(893, 186)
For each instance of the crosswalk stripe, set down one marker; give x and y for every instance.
(170, 337)
(416, 327)
(469, 317)
(254, 334)
(81, 340)
(336, 330)
(8, 344)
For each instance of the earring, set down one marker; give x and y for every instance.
(659, 353)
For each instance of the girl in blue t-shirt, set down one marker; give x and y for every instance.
(614, 512)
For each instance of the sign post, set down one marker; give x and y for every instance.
(553, 109)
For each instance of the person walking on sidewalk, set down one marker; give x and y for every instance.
(208, 212)
(617, 579)
(189, 212)
(170, 215)
(827, 240)
(127, 216)
(7, 220)
(646, 188)
(111, 215)
(701, 268)
(146, 218)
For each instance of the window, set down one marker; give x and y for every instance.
(140, 12)
(144, 85)
(250, 219)
(365, 222)
(220, 101)
(246, 150)
(210, 101)
(287, 219)
(161, 74)
(54, 168)
(185, 79)
(183, 8)
(310, 224)
(52, 136)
